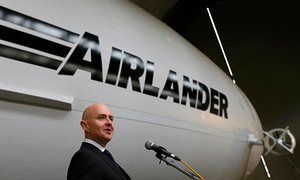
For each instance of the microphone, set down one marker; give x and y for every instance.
(160, 150)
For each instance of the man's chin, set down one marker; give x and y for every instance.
(108, 138)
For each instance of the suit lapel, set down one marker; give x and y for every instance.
(101, 155)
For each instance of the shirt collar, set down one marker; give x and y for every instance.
(95, 144)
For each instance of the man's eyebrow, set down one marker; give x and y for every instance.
(109, 115)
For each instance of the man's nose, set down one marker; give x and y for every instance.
(108, 120)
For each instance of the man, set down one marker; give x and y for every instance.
(93, 161)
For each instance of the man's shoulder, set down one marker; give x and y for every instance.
(84, 165)
(87, 151)
(86, 157)
(90, 161)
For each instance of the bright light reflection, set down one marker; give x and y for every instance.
(220, 43)
(265, 166)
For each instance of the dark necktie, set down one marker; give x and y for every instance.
(107, 153)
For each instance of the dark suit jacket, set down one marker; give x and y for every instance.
(90, 163)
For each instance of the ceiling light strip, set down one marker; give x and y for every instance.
(221, 46)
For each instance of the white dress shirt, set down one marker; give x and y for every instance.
(95, 144)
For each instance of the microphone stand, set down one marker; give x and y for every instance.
(170, 163)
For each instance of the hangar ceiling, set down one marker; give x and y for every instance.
(262, 43)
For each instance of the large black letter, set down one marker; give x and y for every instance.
(128, 71)
(200, 104)
(223, 105)
(76, 61)
(168, 90)
(214, 101)
(149, 88)
(114, 66)
(189, 89)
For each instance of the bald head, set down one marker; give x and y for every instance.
(97, 123)
(90, 110)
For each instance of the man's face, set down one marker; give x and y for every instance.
(100, 126)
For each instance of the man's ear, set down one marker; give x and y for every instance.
(84, 125)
